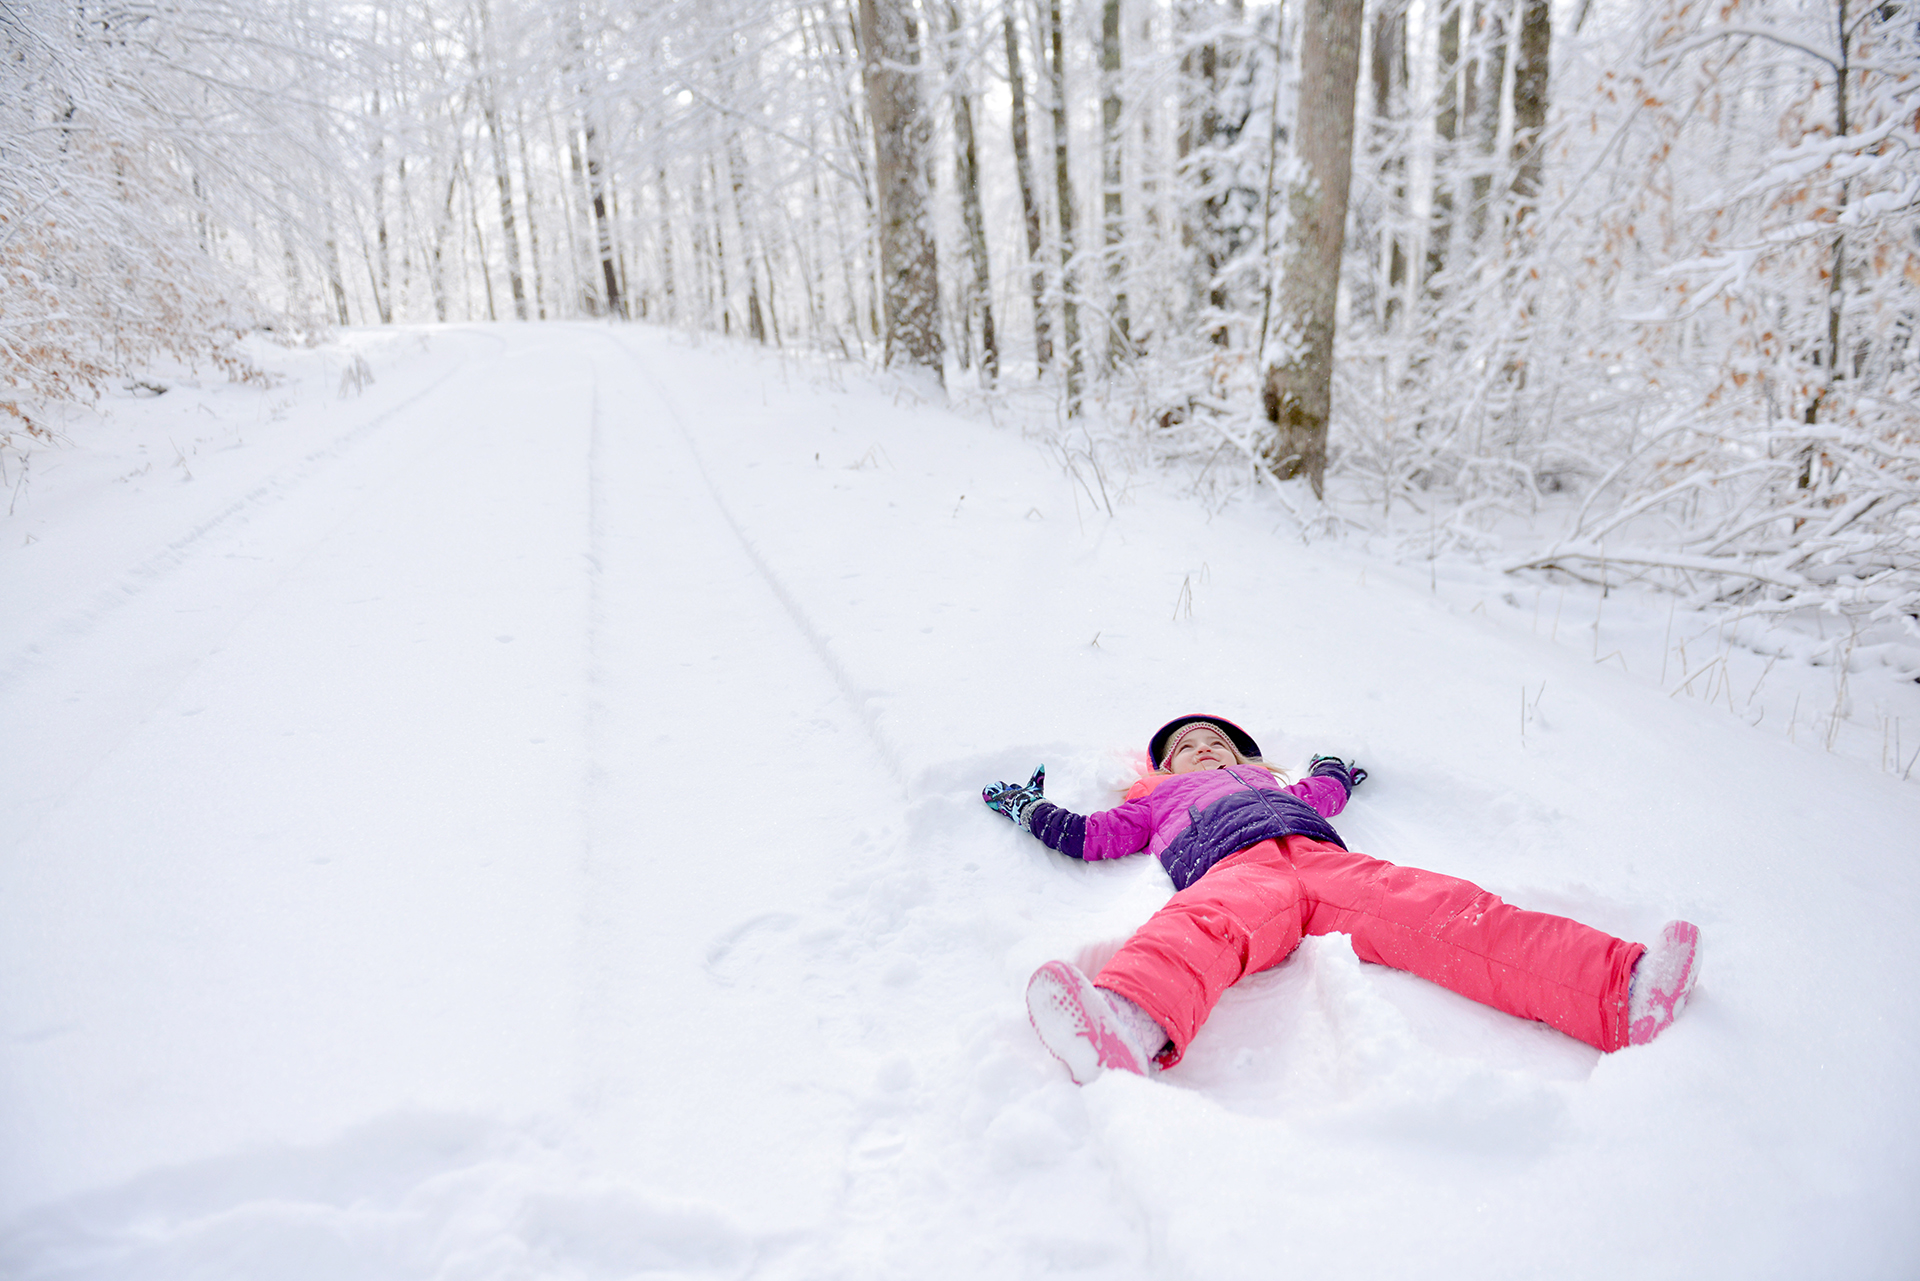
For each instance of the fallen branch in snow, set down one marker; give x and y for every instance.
(1726, 566)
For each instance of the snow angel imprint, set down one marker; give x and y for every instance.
(1256, 866)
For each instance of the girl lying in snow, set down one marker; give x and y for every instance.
(1256, 865)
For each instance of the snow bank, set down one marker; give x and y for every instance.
(522, 821)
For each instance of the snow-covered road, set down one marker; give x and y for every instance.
(522, 821)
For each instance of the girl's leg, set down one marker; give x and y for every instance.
(1567, 975)
(1241, 917)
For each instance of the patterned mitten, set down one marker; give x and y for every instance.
(1349, 776)
(1016, 802)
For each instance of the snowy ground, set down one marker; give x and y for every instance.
(519, 819)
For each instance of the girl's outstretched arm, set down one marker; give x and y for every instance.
(1059, 829)
(1122, 831)
(1125, 829)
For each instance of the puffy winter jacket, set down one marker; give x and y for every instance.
(1192, 821)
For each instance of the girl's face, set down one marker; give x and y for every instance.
(1201, 749)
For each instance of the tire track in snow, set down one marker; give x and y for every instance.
(721, 826)
(858, 697)
(595, 997)
(899, 970)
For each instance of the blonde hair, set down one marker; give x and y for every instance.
(1238, 759)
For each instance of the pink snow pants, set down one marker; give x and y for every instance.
(1251, 909)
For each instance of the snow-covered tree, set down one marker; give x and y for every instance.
(1297, 387)
(891, 39)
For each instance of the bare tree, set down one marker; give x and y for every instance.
(757, 326)
(1210, 125)
(1063, 190)
(602, 216)
(1490, 71)
(1297, 392)
(589, 167)
(1532, 64)
(484, 61)
(1453, 104)
(522, 130)
(977, 291)
(902, 138)
(1029, 202)
(1113, 222)
(1389, 73)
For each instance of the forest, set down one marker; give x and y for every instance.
(1425, 267)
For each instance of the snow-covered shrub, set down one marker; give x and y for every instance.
(1705, 330)
(1765, 290)
(107, 254)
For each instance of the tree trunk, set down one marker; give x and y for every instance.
(1298, 392)
(409, 233)
(533, 226)
(336, 284)
(593, 182)
(1063, 190)
(1029, 203)
(1837, 272)
(585, 265)
(668, 303)
(1206, 69)
(902, 139)
(510, 234)
(1454, 79)
(719, 236)
(502, 174)
(442, 228)
(1389, 92)
(289, 255)
(1489, 107)
(479, 239)
(602, 219)
(1531, 66)
(737, 176)
(1113, 223)
(383, 274)
(978, 297)
(563, 157)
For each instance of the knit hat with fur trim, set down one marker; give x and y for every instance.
(1161, 745)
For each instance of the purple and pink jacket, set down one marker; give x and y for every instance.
(1192, 821)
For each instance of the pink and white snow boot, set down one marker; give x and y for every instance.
(1662, 980)
(1087, 1029)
